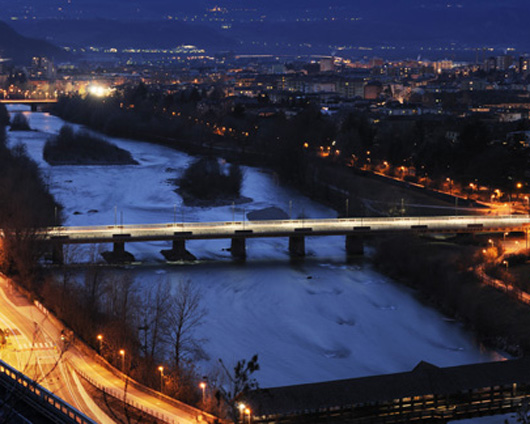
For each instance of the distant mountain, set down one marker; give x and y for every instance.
(125, 34)
(282, 26)
(21, 49)
(152, 9)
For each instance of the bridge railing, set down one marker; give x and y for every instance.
(354, 221)
(43, 400)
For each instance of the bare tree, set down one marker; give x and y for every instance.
(240, 382)
(156, 312)
(185, 315)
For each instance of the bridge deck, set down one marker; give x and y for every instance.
(289, 228)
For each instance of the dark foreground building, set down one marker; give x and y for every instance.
(427, 393)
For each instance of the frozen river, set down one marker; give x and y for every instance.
(319, 319)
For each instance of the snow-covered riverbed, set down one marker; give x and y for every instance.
(315, 320)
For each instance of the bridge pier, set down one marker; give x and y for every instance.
(58, 250)
(238, 248)
(297, 246)
(118, 255)
(34, 107)
(354, 245)
(178, 252)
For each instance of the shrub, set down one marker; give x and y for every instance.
(206, 179)
(20, 122)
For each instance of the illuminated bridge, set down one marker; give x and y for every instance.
(34, 103)
(354, 230)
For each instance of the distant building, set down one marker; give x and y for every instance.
(350, 89)
(327, 64)
(490, 64)
(524, 66)
(278, 68)
(442, 65)
(373, 90)
(43, 68)
(504, 62)
(376, 62)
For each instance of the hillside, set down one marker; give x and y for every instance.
(21, 49)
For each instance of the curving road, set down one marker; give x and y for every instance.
(35, 348)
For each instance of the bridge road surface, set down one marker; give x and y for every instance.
(34, 347)
(308, 227)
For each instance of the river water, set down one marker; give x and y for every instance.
(315, 320)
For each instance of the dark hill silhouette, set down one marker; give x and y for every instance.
(21, 49)
(412, 24)
(120, 34)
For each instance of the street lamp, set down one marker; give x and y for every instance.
(242, 409)
(161, 369)
(100, 341)
(122, 354)
(247, 413)
(202, 385)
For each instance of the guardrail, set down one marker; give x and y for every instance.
(42, 399)
(119, 394)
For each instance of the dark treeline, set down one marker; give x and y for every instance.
(82, 148)
(478, 155)
(445, 277)
(27, 205)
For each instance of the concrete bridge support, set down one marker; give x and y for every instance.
(238, 248)
(297, 246)
(34, 107)
(354, 245)
(57, 252)
(119, 255)
(178, 252)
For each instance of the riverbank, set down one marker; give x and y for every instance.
(445, 278)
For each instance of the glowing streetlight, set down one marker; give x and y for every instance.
(247, 413)
(161, 369)
(100, 341)
(122, 354)
(202, 385)
(242, 407)
(98, 90)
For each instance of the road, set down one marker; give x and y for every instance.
(35, 348)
